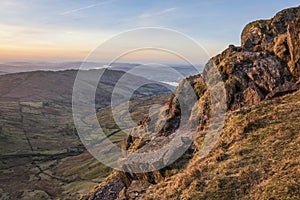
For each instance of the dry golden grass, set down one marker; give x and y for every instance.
(256, 157)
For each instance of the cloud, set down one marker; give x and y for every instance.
(159, 13)
(84, 8)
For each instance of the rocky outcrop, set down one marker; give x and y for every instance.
(110, 190)
(251, 76)
(266, 63)
(279, 36)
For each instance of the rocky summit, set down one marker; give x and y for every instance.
(256, 153)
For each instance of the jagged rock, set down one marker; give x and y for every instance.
(267, 73)
(110, 191)
(286, 88)
(259, 35)
(281, 48)
(250, 76)
(252, 95)
(256, 36)
(294, 47)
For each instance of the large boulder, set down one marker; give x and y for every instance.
(259, 35)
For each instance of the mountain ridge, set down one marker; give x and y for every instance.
(262, 74)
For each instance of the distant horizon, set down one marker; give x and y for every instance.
(19, 67)
(22, 62)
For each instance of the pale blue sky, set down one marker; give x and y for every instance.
(69, 29)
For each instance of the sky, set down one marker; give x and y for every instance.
(62, 30)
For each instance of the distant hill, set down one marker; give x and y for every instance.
(146, 72)
(58, 86)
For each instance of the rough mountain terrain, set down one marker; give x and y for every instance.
(256, 155)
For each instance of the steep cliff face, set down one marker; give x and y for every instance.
(264, 68)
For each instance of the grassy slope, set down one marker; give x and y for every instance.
(257, 157)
